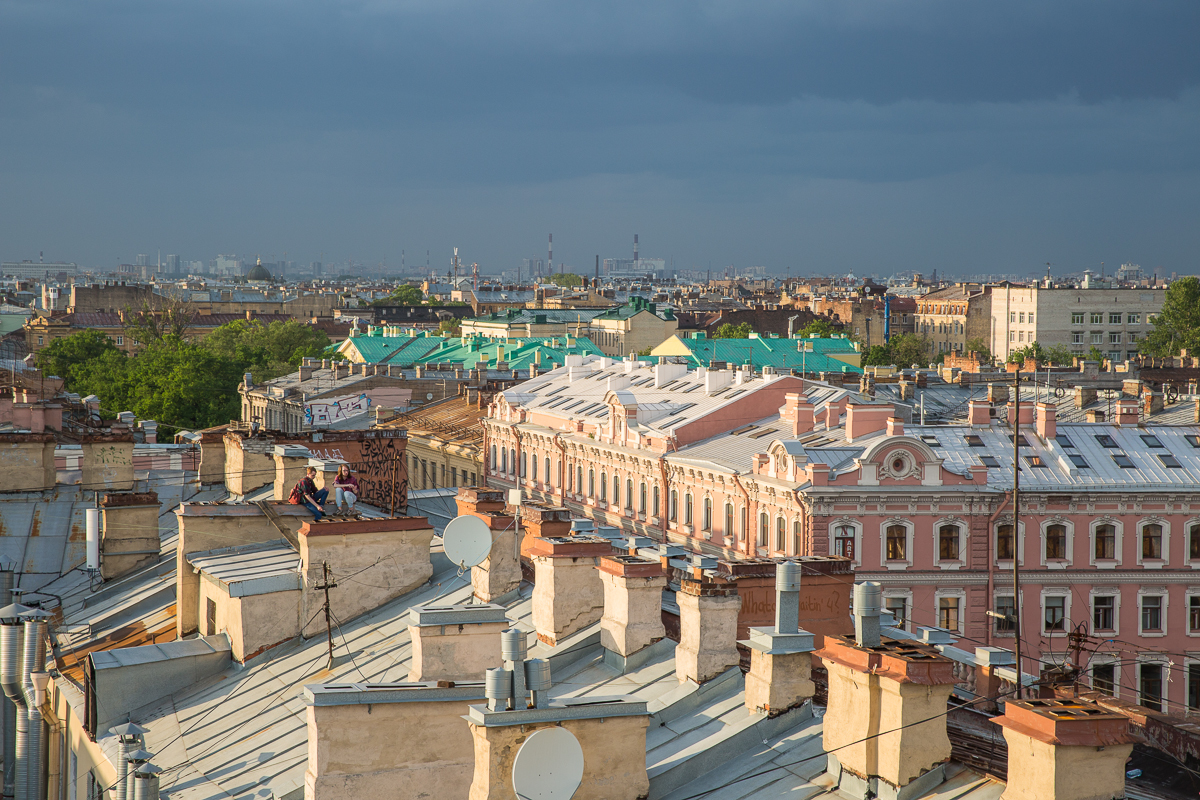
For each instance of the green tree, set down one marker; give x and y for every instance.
(64, 357)
(173, 381)
(266, 350)
(148, 324)
(402, 296)
(978, 345)
(1032, 350)
(907, 349)
(568, 280)
(877, 356)
(1059, 354)
(450, 326)
(1177, 326)
(1095, 355)
(731, 331)
(821, 328)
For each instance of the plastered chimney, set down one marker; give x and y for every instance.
(1047, 421)
(863, 419)
(499, 575)
(455, 643)
(632, 619)
(1127, 411)
(780, 676)
(708, 615)
(1064, 750)
(568, 594)
(130, 532)
(391, 740)
(290, 464)
(896, 688)
(799, 412)
(106, 463)
(1026, 412)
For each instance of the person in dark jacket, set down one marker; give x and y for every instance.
(305, 493)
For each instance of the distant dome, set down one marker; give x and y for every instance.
(258, 273)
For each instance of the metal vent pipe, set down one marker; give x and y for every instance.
(33, 660)
(16, 719)
(145, 783)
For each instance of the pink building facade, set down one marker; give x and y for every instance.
(731, 463)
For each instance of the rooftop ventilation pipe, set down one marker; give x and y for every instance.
(866, 614)
(15, 717)
(145, 782)
(134, 762)
(129, 741)
(34, 661)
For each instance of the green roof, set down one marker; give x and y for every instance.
(784, 354)
(465, 352)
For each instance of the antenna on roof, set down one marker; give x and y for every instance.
(549, 766)
(467, 542)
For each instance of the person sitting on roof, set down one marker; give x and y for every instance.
(305, 493)
(345, 487)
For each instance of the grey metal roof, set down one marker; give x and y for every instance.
(183, 648)
(247, 570)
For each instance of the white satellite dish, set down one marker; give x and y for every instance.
(549, 766)
(467, 541)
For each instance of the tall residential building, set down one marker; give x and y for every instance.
(227, 266)
(949, 318)
(1113, 321)
(171, 265)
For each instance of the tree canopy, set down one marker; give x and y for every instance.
(731, 331)
(900, 351)
(820, 328)
(567, 279)
(402, 296)
(1177, 326)
(64, 357)
(1056, 354)
(266, 350)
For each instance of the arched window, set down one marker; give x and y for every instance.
(655, 506)
(603, 488)
(948, 542)
(687, 509)
(744, 524)
(1106, 541)
(525, 463)
(1004, 542)
(494, 458)
(1056, 541)
(897, 543)
(672, 507)
(796, 536)
(503, 460)
(547, 473)
(512, 459)
(579, 480)
(780, 534)
(764, 530)
(591, 483)
(706, 520)
(629, 494)
(642, 498)
(533, 473)
(560, 472)
(728, 519)
(616, 495)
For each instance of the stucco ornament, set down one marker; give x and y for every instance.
(899, 464)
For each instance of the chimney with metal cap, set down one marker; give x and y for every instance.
(780, 676)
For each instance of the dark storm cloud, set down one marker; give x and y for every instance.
(366, 127)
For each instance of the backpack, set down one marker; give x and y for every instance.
(296, 498)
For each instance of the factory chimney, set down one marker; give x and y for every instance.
(550, 258)
(635, 254)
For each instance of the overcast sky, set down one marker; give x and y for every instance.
(815, 137)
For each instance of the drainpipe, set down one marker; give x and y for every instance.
(992, 563)
(39, 743)
(15, 717)
(664, 509)
(562, 474)
(33, 661)
(808, 538)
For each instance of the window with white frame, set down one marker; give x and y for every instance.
(533, 473)
(603, 488)
(1193, 612)
(950, 605)
(1055, 538)
(1105, 674)
(764, 522)
(1152, 614)
(949, 542)
(687, 509)
(1055, 609)
(592, 483)
(642, 498)
(796, 543)
(629, 494)
(898, 604)
(844, 538)
(1104, 542)
(1193, 685)
(728, 529)
(1105, 608)
(1005, 621)
(654, 507)
(895, 542)
(672, 505)
(780, 534)
(706, 519)
(1150, 684)
(1193, 543)
(1152, 541)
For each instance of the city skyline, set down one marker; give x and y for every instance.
(811, 138)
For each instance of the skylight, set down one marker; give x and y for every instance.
(989, 461)
(1105, 440)
(1151, 441)
(1169, 460)
(1123, 461)
(1079, 461)
(1064, 440)
(974, 440)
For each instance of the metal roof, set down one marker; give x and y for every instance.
(247, 570)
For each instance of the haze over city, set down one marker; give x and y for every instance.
(811, 138)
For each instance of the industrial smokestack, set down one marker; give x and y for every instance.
(635, 253)
(597, 270)
(550, 257)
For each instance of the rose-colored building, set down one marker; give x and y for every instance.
(735, 463)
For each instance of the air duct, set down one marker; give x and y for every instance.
(129, 740)
(145, 782)
(15, 717)
(8, 710)
(33, 661)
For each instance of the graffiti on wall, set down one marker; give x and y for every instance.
(336, 409)
(379, 464)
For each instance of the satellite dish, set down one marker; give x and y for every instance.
(549, 766)
(467, 541)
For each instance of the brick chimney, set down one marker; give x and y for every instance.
(780, 676)
(1047, 420)
(979, 413)
(129, 535)
(568, 594)
(1065, 750)
(863, 419)
(799, 412)
(1127, 411)
(897, 688)
(455, 643)
(708, 614)
(632, 618)
(542, 521)
(997, 393)
(1152, 402)
(1084, 396)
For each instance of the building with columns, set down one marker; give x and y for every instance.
(738, 464)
